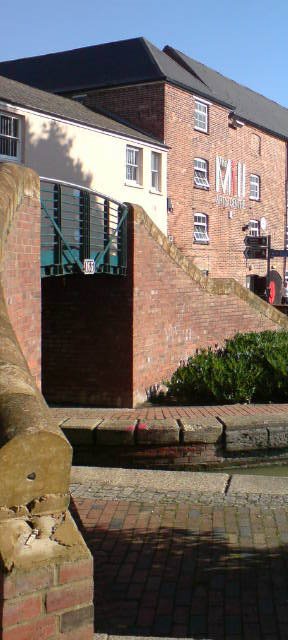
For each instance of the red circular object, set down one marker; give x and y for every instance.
(272, 291)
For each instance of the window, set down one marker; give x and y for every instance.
(9, 137)
(254, 187)
(133, 165)
(201, 173)
(201, 116)
(254, 228)
(201, 228)
(156, 171)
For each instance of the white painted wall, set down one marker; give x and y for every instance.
(91, 158)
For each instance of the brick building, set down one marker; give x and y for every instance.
(227, 161)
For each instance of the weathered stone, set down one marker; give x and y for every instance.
(20, 546)
(278, 437)
(247, 440)
(158, 432)
(244, 433)
(205, 430)
(116, 432)
(80, 431)
(49, 504)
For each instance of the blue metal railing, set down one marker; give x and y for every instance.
(80, 225)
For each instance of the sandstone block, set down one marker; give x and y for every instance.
(116, 432)
(80, 431)
(158, 432)
(205, 430)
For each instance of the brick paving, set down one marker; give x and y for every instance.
(160, 412)
(186, 569)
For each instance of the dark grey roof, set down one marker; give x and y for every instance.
(104, 65)
(136, 61)
(20, 94)
(248, 105)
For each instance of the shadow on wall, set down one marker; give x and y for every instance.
(50, 155)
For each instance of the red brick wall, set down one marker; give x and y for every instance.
(173, 315)
(22, 283)
(224, 254)
(106, 340)
(142, 105)
(168, 113)
(49, 601)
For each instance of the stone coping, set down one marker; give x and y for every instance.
(169, 486)
(235, 433)
(35, 457)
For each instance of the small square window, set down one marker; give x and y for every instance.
(254, 187)
(254, 228)
(201, 228)
(156, 171)
(201, 173)
(133, 165)
(9, 137)
(201, 116)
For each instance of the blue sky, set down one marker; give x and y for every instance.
(245, 41)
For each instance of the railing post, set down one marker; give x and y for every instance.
(122, 240)
(106, 230)
(57, 240)
(85, 244)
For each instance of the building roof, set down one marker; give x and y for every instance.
(136, 61)
(21, 95)
(247, 104)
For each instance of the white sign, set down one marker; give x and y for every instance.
(89, 266)
(230, 180)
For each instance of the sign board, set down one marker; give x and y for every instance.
(256, 241)
(278, 253)
(89, 266)
(256, 253)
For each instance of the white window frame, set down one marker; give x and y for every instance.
(156, 170)
(133, 165)
(201, 173)
(9, 138)
(200, 232)
(254, 228)
(201, 115)
(254, 187)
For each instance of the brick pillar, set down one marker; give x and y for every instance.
(48, 593)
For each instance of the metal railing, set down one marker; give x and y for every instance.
(81, 230)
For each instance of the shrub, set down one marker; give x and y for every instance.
(251, 367)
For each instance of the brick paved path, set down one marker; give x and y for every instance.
(157, 412)
(187, 569)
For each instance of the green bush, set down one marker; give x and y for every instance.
(251, 367)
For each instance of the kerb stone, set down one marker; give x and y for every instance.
(205, 430)
(80, 431)
(158, 432)
(117, 432)
(246, 433)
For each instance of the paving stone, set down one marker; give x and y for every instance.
(205, 430)
(158, 432)
(80, 431)
(116, 432)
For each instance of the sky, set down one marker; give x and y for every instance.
(246, 41)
